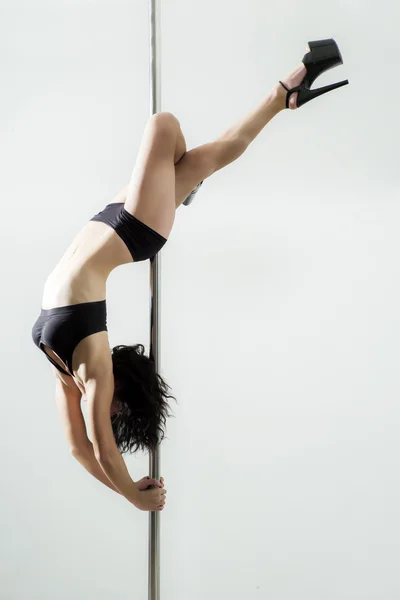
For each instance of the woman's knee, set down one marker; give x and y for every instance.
(164, 124)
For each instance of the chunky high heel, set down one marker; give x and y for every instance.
(192, 194)
(323, 55)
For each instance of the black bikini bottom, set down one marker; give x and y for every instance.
(62, 328)
(141, 240)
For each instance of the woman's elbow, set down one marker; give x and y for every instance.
(79, 452)
(104, 446)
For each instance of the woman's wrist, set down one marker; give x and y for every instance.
(133, 494)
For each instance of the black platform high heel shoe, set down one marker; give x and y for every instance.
(323, 55)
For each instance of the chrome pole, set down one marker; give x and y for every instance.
(155, 292)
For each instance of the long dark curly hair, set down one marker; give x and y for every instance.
(143, 396)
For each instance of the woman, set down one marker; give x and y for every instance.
(127, 400)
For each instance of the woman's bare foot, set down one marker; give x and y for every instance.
(292, 80)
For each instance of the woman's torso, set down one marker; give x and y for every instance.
(81, 274)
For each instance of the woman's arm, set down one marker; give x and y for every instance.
(87, 458)
(68, 400)
(99, 391)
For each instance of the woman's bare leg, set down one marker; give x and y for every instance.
(180, 150)
(201, 162)
(150, 195)
(165, 174)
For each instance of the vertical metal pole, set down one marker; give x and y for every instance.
(155, 292)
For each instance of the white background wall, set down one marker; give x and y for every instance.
(280, 321)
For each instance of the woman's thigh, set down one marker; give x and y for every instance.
(150, 195)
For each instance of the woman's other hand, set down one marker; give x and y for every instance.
(152, 495)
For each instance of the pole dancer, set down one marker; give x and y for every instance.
(127, 400)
